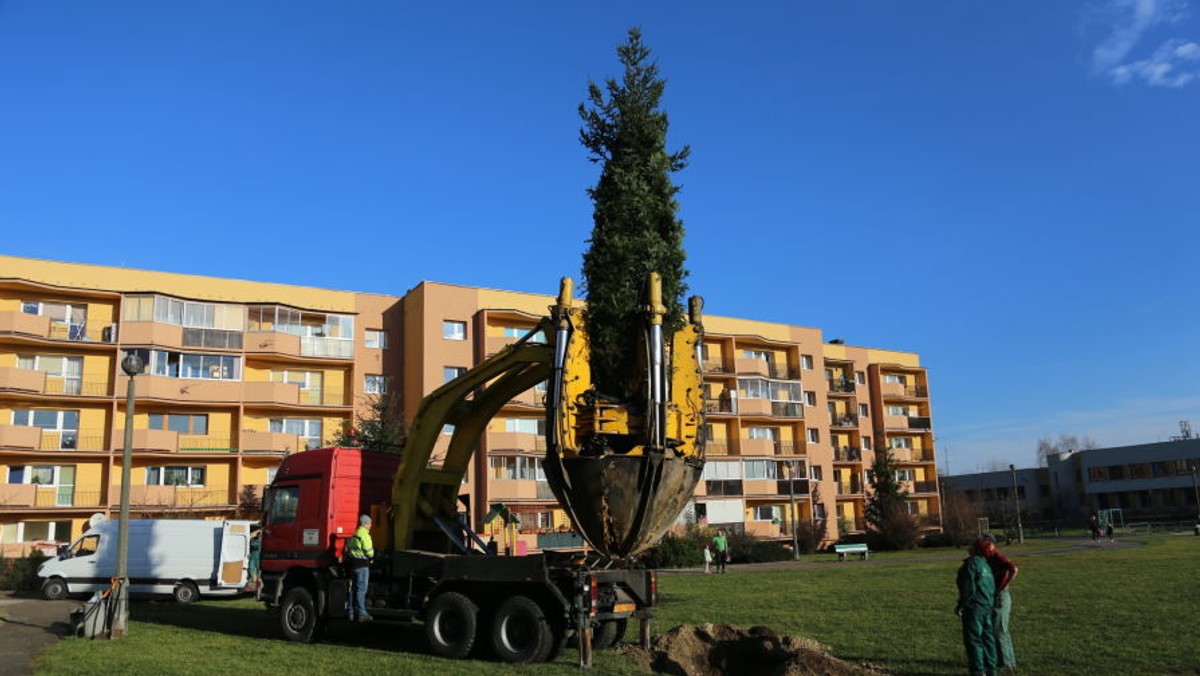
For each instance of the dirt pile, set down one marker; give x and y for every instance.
(722, 650)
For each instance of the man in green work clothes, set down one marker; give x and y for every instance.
(721, 544)
(976, 601)
(1003, 572)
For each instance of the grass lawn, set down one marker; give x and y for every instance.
(1094, 610)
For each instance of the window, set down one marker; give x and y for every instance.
(905, 475)
(451, 372)
(810, 398)
(60, 429)
(723, 470)
(284, 502)
(867, 443)
(376, 385)
(86, 546)
(863, 411)
(815, 473)
(308, 429)
(814, 436)
(35, 531)
(525, 425)
(376, 339)
(762, 469)
(180, 422)
(806, 362)
(860, 377)
(900, 442)
(897, 410)
(761, 355)
(64, 375)
(64, 317)
(516, 468)
(761, 433)
(190, 365)
(175, 475)
(452, 330)
(766, 513)
(775, 390)
(895, 378)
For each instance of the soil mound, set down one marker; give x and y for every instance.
(722, 650)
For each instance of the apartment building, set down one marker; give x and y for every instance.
(239, 374)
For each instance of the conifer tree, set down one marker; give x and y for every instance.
(635, 229)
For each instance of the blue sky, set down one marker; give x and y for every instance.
(1009, 189)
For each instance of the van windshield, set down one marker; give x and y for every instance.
(85, 546)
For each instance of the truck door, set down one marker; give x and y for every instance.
(292, 527)
(234, 555)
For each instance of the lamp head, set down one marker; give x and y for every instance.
(132, 364)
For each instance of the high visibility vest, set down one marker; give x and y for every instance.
(359, 546)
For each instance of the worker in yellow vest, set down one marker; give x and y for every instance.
(357, 559)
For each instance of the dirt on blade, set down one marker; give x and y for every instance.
(723, 650)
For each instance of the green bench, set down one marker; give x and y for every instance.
(843, 550)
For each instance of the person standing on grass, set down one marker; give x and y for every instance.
(976, 601)
(721, 544)
(358, 554)
(1003, 572)
(707, 559)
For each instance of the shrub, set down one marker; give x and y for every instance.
(20, 574)
(809, 536)
(898, 530)
(673, 551)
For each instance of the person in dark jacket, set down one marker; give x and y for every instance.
(976, 600)
(1003, 572)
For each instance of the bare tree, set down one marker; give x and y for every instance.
(1066, 442)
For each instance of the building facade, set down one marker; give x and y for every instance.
(240, 374)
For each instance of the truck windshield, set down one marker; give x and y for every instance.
(282, 505)
(85, 546)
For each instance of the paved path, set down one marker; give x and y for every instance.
(28, 625)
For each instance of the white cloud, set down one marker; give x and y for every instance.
(1174, 64)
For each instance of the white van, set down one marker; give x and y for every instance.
(184, 558)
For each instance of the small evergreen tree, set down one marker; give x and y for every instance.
(886, 509)
(635, 230)
(381, 429)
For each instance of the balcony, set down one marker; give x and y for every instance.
(758, 446)
(530, 398)
(919, 423)
(283, 394)
(326, 348)
(907, 422)
(716, 447)
(754, 407)
(175, 497)
(841, 386)
(787, 409)
(847, 454)
(902, 391)
(782, 372)
(714, 366)
(180, 390)
(519, 489)
(798, 487)
(29, 381)
(756, 367)
(14, 496)
(850, 421)
(722, 405)
(924, 487)
(271, 342)
(723, 487)
(23, 437)
(39, 326)
(270, 442)
(152, 333)
(515, 441)
(848, 488)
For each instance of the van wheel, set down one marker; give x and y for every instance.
(55, 589)
(521, 632)
(185, 592)
(608, 634)
(298, 616)
(451, 621)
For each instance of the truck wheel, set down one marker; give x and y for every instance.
(608, 634)
(298, 616)
(521, 632)
(55, 589)
(451, 621)
(185, 592)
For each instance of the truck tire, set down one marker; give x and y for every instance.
(298, 616)
(55, 589)
(451, 623)
(521, 632)
(608, 634)
(185, 592)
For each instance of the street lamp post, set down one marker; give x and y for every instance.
(793, 517)
(1196, 490)
(132, 365)
(1017, 504)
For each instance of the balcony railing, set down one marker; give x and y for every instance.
(212, 338)
(715, 447)
(919, 422)
(925, 487)
(196, 443)
(848, 488)
(844, 421)
(841, 386)
(847, 454)
(177, 497)
(715, 366)
(60, 496)
(783, 371)
(798, 487)
(335, 348)
(91, 332)
(722, 405)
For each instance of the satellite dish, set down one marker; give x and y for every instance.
(96, 519)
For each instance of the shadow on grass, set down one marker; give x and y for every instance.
(259, 623)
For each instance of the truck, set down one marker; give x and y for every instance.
(621, 468)
(185, 558)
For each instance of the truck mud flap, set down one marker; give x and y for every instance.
(338, 597)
